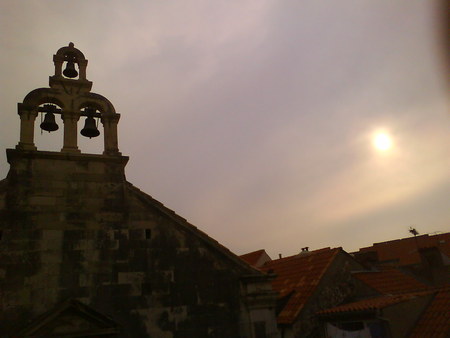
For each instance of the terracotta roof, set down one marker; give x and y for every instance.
(390, 281)
(374, 303)
(253, 257)
(435, 321)
(297, 277)
(406, 250)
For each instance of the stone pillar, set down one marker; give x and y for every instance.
(27, 118)
(58, 68)
(70, 120)
(58, 61)
(110, 133)
(82, 64)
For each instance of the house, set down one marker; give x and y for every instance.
(389, 281)
(412, 314)
(426, 256)
(307, 283)
(406, 304)
(83, 252)
(256, 258)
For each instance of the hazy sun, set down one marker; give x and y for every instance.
(382, 141)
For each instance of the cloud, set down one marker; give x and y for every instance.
(252, 118)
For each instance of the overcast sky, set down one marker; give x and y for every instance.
(254, 119)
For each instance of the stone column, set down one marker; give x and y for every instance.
(58, 68)
(70, 120)
(82, 64)
(110, 122)
(27, 118)
(58, 61)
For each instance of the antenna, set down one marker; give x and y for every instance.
(413, 231)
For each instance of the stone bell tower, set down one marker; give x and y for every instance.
(65, 188)
(84, 253)
(70, 96)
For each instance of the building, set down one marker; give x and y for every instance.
(425, 256)
(309, 282)
(256, 258)
(424, 313)
(84, 253)
(406, 302)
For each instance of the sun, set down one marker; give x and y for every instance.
(382, 141)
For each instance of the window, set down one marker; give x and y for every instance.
(148, 233)
(260, 329)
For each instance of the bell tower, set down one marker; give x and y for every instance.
(69, 96)
(67, 188)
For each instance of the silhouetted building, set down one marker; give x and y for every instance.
(85, 253)
(425, 256)
(307, 283)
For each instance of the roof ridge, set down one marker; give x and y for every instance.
(192, 228)
(306, 254)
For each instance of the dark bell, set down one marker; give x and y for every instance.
(49, 123)
(90, 129)
(70, 70)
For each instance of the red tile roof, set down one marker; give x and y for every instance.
(297, 278)
(252, 258)
(390, 281)
(435, 321)
(406, 250)
(374, 303)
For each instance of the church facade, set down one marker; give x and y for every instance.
(84, 253)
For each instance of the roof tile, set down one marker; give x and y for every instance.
(374, 303)
(297, 277)
(435, 321)
(390, 280)
(405, 251)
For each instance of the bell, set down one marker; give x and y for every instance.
(49, 123)
(70, 70)
(90, 129)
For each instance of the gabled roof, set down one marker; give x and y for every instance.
(389, 280)
(184, 225)
(256, 258)
(435, 321)
(297, 278)
(406, 251)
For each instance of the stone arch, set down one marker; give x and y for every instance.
(72, 51)
(40, 96)
(71, 95)
(96, 101)
(73, 54)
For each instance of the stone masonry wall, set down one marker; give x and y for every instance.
(74, 228)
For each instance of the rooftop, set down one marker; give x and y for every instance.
(390, 280)
(297, 278)
(253, 258)
(406, 251)
(435, 321)
(374, 303)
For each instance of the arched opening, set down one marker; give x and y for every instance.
(49, 127)
(71, 67)
(90, 131)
